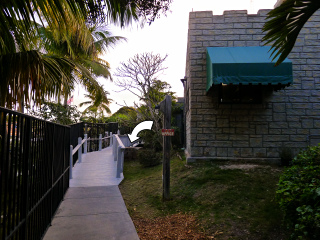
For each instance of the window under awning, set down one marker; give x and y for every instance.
(245, 65)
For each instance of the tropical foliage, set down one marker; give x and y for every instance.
(83, 53)
(57, 113)
(97, 105)
(26, 71)
(32, 70)
(150, 9)
(299, 194)
(285, 23)
(126, 117)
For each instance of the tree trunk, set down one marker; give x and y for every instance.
(65, 103)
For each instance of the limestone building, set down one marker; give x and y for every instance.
(238, 107)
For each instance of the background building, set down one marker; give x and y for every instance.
(266, 117)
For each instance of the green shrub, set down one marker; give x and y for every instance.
(151, 140)
(299, 194)
(149, 158)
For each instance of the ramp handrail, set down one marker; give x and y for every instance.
(117, 142)
(84, 142)
(118, 148)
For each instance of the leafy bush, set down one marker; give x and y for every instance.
(57, 113)
(299, 194)
(151, 140)
(149, 158)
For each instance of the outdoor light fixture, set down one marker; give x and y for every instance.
(157, 108)
(183, 80)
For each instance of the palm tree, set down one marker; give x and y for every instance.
(98, 103)
(35, 74)
(84, 53)
(285, 23)
(25, 70)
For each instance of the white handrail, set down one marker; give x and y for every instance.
(116, 142)
(84, 142)
(118, 148)
(119, 141)
(91, 139)
(78, 149)
(79, 145)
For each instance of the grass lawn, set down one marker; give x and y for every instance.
(207, 202)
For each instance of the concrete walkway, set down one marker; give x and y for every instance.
(93, 208)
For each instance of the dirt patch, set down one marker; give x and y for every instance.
(177, 226)
(240, 166)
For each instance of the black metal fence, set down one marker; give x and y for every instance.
(92, 130)
(34, 174)
(76, 130)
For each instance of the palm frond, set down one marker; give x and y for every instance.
(284, 25)
(30, 74)
(57, 75)
(98, 100)
(20, 15)
(103, 40)
(98, 68)
(44, 59)
(121, 12)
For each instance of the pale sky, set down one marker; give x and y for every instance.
(167, 35)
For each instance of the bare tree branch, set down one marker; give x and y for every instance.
(140, 76)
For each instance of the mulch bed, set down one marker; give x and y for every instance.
(177, 226)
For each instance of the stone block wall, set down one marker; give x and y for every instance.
(288, 118)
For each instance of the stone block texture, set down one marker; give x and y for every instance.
(289, 117)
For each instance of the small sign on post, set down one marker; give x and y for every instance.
(167, 132)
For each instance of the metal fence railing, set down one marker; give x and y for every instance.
(93, 130)
(34, 174)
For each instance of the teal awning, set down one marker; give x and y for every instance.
(245, 65)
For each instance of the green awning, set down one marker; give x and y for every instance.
(245, 65)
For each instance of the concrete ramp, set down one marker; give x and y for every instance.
(93, 208)
(96, 169)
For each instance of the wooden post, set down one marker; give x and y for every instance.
(85, 145)
(165, 107)
(100, 142)
(107, 140)
(79, 150)
(111, 139)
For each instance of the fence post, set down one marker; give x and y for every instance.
(111, 139)
(100, 142)
(118, 132)
(114, 147)
(122, 159)
(119, 156)
(71, 162)
(106, 134)
(107, 139)
(26, 178)
(79, 150)
(85, 145)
